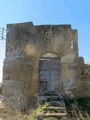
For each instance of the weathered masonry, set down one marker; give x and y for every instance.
(43, 58)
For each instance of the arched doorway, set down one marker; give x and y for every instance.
(49, 72)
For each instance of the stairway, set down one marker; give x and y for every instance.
(53, 107)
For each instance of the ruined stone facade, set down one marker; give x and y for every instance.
(43, 58)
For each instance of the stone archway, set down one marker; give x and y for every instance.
(49, 72)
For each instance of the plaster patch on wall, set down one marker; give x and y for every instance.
(30, 49)
(49, 55)
(69, 83)
(68, 58)
(13, 58)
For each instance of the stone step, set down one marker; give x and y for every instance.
(42, 96)
(52, 107)
(57, 103)
(52, 118)
(50, 94)
(55, 109)
(48, 115)
(50, 98)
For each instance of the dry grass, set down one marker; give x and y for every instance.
(77, 109)
(14, 114)
(75, 112)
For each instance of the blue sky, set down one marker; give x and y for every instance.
(74, 12)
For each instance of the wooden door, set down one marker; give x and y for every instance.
(54, 71)
(49, 74)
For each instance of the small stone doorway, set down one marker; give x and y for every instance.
(49, 74)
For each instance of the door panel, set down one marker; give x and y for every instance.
(43, 64)
(43, 72)
(54, 64)
(43, 75)
(54, 75)
(49, 74)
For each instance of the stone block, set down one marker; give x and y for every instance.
(68, 83)
(87, 84)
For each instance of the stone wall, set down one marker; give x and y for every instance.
(81, 86)
(27, 43)
(0, 88)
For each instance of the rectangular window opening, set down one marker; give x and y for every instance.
(71, 44)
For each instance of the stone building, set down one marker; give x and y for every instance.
(43, 58)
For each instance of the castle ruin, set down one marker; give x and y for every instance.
(43, 58)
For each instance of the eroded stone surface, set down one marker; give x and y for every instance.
(26, 44)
